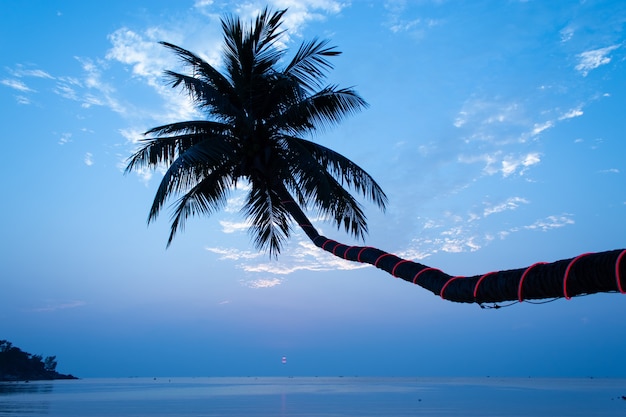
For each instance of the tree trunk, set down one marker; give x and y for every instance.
(588, 273)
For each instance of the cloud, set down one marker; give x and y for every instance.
(567, 33)
(513, 164)
(510, 204)
(147, 60)
(304, 256)
(396, 23)
(20, 71)
(16, 85)
(299, 13)
(22, 99)
(590, 60)
(233, 254)
(575, 112)
(65, 138)
(263, 283)
(507, 165)
(455, 234)
(549, 223)
(610, 171)
(540, 127)
(232, 227)
(88, 159)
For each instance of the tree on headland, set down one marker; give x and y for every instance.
(17, 365)
(258, 111)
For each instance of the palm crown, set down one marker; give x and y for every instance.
(257, 114)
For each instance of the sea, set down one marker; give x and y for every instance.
(315, 397)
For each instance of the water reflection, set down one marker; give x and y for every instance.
(24, 398)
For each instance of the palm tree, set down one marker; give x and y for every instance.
(257, 114)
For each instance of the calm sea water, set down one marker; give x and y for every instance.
(315, 397)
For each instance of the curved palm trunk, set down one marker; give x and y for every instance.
(585, 274)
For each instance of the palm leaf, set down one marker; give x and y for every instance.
(309, 64)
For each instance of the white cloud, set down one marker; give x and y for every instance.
(507, 165)
(575, 112)
(37, 73)
(304, 256)
(233, 254)
(513, 164)
(510, 204)
(88, 159)
(590, 60)
(232, 227)
(567, 33)
(22, 99)
(65, 138)
(610, 171)
(148, 59)
(263, 283)
(549, 223)
(540, 127)
(16, 85)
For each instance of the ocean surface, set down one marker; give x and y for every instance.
(314, 397)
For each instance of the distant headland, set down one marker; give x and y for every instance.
(17, 365)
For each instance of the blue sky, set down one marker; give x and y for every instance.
(495, 128)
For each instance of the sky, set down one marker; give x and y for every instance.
(496, 128)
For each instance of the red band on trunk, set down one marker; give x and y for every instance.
(381, 257)
(446, 285)
(481, 280)
(521, 281)
(422, 271)
(393, 271)
(567, 297)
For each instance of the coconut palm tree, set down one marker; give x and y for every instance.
(258, 111)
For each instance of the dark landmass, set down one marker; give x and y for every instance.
(17, 365)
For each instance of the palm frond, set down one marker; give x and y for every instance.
(268, 217)
(204, 198)
(323, 188)
(190, 167)
(344, 170)
(194, 126)
(162, 150)
(309, 64)
(324, 109)
(206, 97)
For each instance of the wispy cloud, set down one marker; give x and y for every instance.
(304, 256)
(549, 223)
(16, 85)
(233, 254)
(262, 282)
(88, 159)
(65, 138)
(455, 234)
(398, 22)
(232, 227)
(507, 165)
(510, 204)
(572, 113)
(592, 59)
(519, 163)
(20, 71)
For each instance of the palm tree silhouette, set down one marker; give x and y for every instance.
(257, 113)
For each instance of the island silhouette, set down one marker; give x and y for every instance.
(17, 365)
